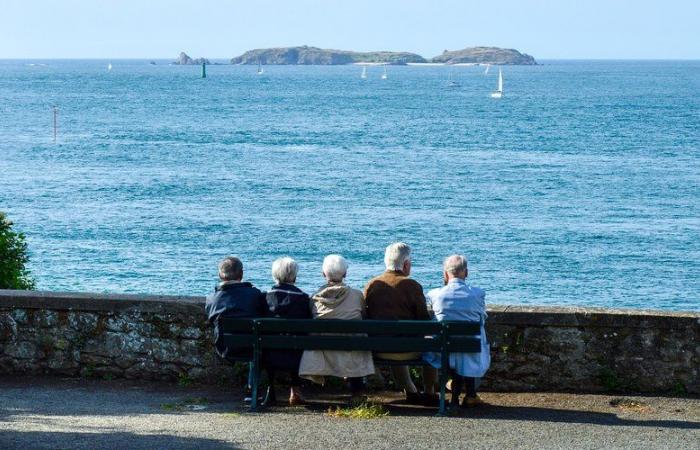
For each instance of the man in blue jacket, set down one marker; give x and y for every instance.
(233, 298)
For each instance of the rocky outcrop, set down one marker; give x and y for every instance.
(185, 60)
(306, 55)
(485, 55)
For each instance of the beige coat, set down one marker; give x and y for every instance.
(336, 301)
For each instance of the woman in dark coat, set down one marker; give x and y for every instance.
(286, 301)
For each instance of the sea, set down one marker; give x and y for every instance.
(580, 187)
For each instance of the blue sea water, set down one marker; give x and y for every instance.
(580, 187)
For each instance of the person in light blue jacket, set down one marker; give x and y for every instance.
(459, 301)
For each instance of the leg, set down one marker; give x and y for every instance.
(470, 383)
(430, 376)
(295, 397)
(402, 378)
(457, 383)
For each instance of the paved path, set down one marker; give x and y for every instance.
(75, 414)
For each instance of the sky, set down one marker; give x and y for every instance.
(546, 29)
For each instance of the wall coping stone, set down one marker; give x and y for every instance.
(524, 315)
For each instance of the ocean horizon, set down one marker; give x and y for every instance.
(580, 187)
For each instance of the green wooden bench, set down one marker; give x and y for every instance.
(258, 335)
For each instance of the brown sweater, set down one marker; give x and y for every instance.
(394, 296)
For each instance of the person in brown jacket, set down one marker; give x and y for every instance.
(394, 296)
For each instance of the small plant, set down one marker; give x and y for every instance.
(629, 404)
(184, 380)
(13, 258)
(679, 388)
(362, 411)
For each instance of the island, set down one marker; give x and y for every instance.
(305, 55)
(485, 55)
(185, 60)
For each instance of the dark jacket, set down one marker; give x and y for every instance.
(235, 300)
(394, 296)
(286, 301)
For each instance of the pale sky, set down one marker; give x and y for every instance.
(624, 29)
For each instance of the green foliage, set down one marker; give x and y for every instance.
(13, 258)
(679, 388)
(184, 380)
(363, 411)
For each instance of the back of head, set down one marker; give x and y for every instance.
(455, 266)
(231, 269)
(396, 255)
(335, 267)
(284, 270)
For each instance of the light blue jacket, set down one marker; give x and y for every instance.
(459, 301)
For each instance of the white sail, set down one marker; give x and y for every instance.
(499, 92)
(384, 76)
(109, 66)
(488, 66)
(364, 72)
(260, 69)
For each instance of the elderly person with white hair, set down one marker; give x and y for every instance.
(394, 296)
(285, 301)
(459, 301)
(337, 300)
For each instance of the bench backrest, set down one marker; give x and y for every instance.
(370, 335)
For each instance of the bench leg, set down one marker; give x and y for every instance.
(256, 380)
(444, 372)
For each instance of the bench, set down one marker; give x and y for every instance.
(259, 335)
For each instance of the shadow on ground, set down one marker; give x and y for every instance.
(105, 440)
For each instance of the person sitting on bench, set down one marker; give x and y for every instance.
(285, 301)
(459, 301)
(337, 300)
(233, 298)
(394, 296)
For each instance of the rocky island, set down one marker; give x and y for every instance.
(485, 55)
(185, 60)
(306, 55)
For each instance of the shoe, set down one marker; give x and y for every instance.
(270, 397)
(296, 400)
(472, 402)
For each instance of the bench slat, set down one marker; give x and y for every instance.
(231, 325)
(239, 341)
(464, 344)
(454, 327)
(325, 342)
(374, 327)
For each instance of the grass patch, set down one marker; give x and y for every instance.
(362, 411)
(629, 404)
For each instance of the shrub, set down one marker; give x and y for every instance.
(13, 258)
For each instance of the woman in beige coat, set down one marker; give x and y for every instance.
(336, 300)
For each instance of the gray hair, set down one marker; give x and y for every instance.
(455, 264)
(396, 255)
(230, 269)
(335, 267)
(284, 270)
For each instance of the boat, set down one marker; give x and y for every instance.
(384, 76)
(498, 93)
(364, 72)
(450, 81)
(109, 67)
(488, 66)
(260, 69)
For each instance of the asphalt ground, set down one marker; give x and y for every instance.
(54, 413)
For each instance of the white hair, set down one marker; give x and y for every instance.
(284, 270)
(335, 267)
(396, 255)
(455, 264)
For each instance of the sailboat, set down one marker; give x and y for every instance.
(498, 93)
(109, 67)
(450, 81)
(260, 69)
(384, 76)
(364, 72)
(488, 66)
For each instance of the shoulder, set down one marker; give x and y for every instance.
(436, 292)
(410, 283)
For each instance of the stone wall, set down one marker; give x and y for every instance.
(164, 337)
